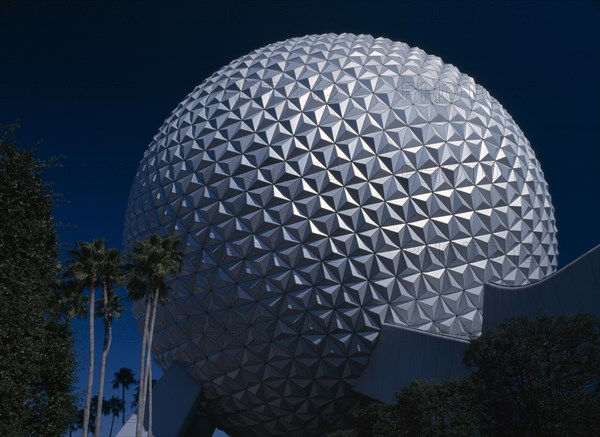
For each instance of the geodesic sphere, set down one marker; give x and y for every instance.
(321, 186)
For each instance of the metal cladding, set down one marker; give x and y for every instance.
(324, 185)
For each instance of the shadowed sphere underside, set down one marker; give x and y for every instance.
(321, 186)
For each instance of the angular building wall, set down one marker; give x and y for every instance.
(573, 289)
(403, 355)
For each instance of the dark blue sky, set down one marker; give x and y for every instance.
(96, 79)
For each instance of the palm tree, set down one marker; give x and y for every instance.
(71, 302)
(110, 309)
(77, 422)
(124, 378)
(151, 262)
(115, 405)
(93, 412)
(109, 312)
(82, 270)
(136, 396)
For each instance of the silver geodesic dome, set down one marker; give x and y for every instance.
(321, 186)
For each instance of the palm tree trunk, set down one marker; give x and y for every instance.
(124, 407)
(139, 426)
(112, 422)
(105, 349)
(88, 394)
(149, 358)
(150, 402)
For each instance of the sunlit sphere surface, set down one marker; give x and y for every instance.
(321, 186)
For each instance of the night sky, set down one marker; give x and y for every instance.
(96, 79)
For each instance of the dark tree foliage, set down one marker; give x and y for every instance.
(538, 377)
(378, 420)
(422, 409)
(94, 412)
(529, 378)
(36, 358)
(447, 408)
